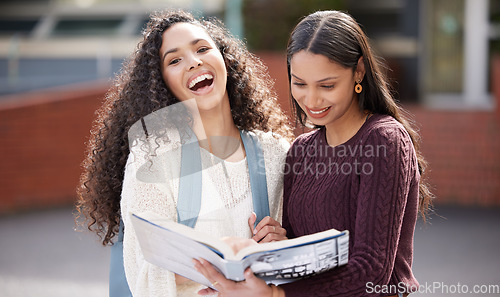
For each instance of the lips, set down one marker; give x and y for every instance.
(318, 113)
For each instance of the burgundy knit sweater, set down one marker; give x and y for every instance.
(369, 186)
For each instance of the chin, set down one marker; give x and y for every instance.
(206, 104)
(319, 122)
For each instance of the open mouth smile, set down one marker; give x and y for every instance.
(201, 83)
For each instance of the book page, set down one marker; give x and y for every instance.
(215, 244)
(173, 251)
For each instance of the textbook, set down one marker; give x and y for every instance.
(172, 246)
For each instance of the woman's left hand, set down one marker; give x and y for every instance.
(267, 230)
(251, 286)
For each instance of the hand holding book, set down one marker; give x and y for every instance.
(265, 231)
(251, 286)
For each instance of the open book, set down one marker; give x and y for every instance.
(172, 246)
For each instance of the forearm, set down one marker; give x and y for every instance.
(277, 291)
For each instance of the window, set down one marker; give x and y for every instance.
(444, 31)
(86, 27)
(9, 27)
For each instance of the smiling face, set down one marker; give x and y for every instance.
(323, 89)
(193, 67)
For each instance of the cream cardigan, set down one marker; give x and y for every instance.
(226, 203)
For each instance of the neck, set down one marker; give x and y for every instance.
(217, 132)
(345, 127)
(218, 122)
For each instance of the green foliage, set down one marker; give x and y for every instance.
(268, 23)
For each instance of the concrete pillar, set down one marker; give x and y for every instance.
(476, 53)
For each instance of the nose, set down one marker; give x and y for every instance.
(312, 99)
(195, 62)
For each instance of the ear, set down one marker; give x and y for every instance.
(359, 72)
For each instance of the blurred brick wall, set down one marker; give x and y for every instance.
(43, 137)
(463, 151)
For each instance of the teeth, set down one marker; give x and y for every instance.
(198, 79)
(319, 111)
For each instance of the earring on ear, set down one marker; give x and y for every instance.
(358, 88)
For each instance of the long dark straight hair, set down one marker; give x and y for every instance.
(337, 36)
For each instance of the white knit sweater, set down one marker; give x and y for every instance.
(225, 208)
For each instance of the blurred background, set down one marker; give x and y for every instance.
(57, 59)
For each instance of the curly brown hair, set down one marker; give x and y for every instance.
(139, 90)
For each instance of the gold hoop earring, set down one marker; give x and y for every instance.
(358, 88)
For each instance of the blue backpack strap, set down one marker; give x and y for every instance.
(118, 286)
(189, 200)
(257, 171)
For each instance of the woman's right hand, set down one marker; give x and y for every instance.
(267, 230)
(251, 286)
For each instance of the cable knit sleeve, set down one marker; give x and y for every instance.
(381, 191)
(147, 186)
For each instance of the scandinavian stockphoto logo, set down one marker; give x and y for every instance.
(178, 127)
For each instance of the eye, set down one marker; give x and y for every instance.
(298, 84)
(174, 61)
(328, 86)
(203, 49)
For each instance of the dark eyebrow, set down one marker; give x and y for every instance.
(328, 78)
(321, 80)
(173, 50)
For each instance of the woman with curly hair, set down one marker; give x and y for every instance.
(180, 60)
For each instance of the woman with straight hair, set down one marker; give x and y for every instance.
(370, 182)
